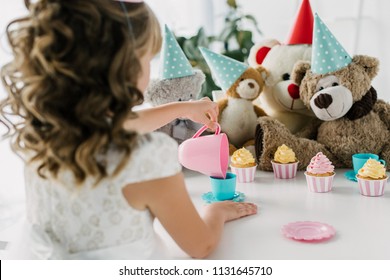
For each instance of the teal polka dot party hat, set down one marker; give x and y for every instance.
(225, 69)
(174, 63)
(327, 53)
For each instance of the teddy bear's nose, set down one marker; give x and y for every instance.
(323, 100)
(293, 91)
(251, 85)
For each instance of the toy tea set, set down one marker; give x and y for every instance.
(361, 113)
(209, 155)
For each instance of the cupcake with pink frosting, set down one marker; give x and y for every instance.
(320, 173)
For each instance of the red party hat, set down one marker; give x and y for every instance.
(302, 32)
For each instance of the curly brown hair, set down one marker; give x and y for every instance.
(72, 82)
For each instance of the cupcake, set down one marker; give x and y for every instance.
(319, 174)
(285, 164)
(242, 163)
(372, 178)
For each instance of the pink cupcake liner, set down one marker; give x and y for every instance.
(244, 175)
(285, 171)
(372, 187)
(319, 184)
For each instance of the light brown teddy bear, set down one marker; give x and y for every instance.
(237, 113)
(338, 89)
(242, 84)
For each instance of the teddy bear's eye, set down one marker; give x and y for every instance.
(179, 99)
(191, 95)
(286, 76)
(241, 80)
(321, 88)
(335, 84)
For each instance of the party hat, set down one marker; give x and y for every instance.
(174, 63)
(302, 31)
(327, 53)
(225, 69)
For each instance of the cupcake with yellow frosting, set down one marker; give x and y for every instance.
(372, 178)
(242, 163)
(285, 164)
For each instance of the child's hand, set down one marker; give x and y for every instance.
(203, 111)
(229, 210)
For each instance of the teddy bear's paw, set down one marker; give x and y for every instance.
(270, 134)
(232, 149)
(258, 142)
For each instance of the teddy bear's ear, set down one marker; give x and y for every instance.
(264, 73)
(370, 64)
(260, 50)
(151, 89)
(299, 71)
(155, 93)
(199, 76)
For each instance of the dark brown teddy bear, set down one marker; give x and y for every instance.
(354, 121)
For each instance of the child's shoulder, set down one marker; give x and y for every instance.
(155, 157)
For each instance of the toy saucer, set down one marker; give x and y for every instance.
(209, 197)
(308, 231)
(350, 175)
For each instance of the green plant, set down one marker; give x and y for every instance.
(190, 46)
(236, 43)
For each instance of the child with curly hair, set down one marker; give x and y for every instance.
(96, 174)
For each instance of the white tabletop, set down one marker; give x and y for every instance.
(362, 223)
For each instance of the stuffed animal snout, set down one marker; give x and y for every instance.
(332, 100)
(248, 89)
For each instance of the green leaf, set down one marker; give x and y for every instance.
(236, 54)
(232, 3)
(181, 41)
(190, 50)
(244, 39)
(228, 36)
(208, 86)
(255, 24)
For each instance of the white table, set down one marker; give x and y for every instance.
(362, 223)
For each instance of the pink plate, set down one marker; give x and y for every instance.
(308, 230)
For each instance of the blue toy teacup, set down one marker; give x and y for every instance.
(224, 189)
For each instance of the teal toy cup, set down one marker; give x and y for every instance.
(358, 160)
(224, 189)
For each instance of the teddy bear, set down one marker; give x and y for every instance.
(338, 89)
(280, 97)
(180, 89)
(178, 81)
(242, 84)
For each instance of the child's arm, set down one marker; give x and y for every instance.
(202, 111)
(169, 201)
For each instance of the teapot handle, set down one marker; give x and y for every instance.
(203, 128)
